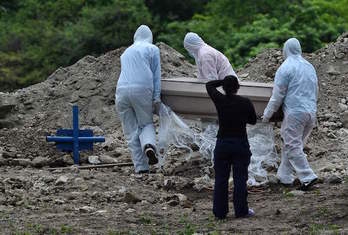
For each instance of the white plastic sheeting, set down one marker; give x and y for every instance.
(264, 154)
(174, 132)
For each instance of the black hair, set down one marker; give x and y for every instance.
(230, 85)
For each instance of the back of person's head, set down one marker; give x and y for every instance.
(192, 43)
(230, 85)
(143, 34)
(292, 47)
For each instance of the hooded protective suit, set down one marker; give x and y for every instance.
(211, 64)
(138, 88)
(296, 87)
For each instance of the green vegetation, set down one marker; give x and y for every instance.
(188, 228)
(315, 229)
(145, 219)
(288, 194)
(37, 36)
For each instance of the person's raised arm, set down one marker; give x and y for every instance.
(212, 91)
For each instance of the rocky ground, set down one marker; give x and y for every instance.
(36, 199)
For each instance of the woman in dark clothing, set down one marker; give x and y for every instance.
(232, 146)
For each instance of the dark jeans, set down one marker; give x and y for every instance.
(235, 152)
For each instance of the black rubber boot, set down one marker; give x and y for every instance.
(151, 154)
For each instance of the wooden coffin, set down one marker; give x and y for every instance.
(188, 96)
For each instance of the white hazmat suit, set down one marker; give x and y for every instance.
(296, 87)
(211, 64)
(138, 88)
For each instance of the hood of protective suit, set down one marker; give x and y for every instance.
(143, 34)
(292, 47)
(192, 43)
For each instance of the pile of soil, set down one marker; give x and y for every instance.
(35, 199)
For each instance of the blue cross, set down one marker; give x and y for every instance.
(74, 140)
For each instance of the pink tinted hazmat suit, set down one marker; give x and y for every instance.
(211, 64)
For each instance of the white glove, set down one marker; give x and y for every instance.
(265, 119)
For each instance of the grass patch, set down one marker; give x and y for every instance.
(66, 229)
(288, 194)
(315, 229)
(188, 229)
(211, 223)
(323, 211)
(145, 219)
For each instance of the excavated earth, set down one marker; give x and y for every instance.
(41, 192)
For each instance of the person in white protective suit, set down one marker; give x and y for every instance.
(211, 63)
(138, 95)
(296, 87)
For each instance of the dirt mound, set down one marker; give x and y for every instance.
(177, 198)
(27, 115)
(90, 83)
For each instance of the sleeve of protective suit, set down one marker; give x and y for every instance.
(208, 68)
(280, 88)
(156, 70)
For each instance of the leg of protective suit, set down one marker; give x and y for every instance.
(142, 103)
(285, 170)
(131, 130)
(293, 140)
(308, 129)
(148, 136)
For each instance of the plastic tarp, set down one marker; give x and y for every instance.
(175, 133)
